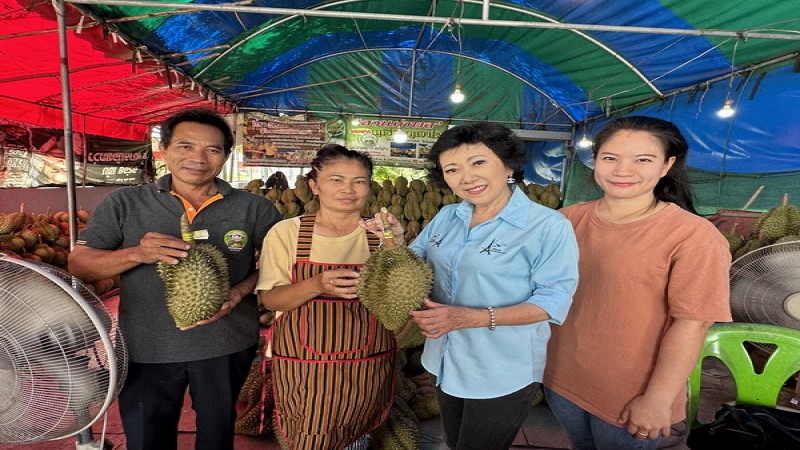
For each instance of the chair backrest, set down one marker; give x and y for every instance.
(725, 341)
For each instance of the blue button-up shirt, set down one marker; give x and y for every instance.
(527, 253)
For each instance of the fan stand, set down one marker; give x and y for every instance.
(86, 442)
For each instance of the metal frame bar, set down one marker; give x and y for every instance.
(740, 34)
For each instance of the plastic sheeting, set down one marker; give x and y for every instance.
(762, 137)
(153, 61)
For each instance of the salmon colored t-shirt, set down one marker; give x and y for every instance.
(635, 278)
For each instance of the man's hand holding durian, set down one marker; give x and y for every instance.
(156, 247)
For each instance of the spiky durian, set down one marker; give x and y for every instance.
(425, 406)
(400, 431)
(405, 389)
(735, 240)
(197, 286)
(410, 336)
(779, 221)
(788, 238)
(393, 281)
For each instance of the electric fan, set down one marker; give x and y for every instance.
(765, 286)
(62, 356)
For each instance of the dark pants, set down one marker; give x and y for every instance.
(484, 424)
(152, 398)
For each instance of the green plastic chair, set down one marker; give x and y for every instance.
(725, 341)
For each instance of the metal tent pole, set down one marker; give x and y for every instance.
(59, 6)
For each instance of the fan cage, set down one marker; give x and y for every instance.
(63, 359)
(765, 287)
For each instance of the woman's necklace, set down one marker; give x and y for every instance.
(324, 229)
(638, 213)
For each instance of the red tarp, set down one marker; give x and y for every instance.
(112, 93)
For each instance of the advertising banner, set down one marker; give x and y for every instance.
(281, 140)
(33, 157)
(375, 136)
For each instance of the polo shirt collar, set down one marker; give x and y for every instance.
(165, 184)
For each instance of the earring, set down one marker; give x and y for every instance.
(510, 179)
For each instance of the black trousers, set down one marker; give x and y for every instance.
(484, 424)
(152, 398)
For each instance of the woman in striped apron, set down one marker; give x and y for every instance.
(332, 360)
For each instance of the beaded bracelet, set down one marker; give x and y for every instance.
(492, 319)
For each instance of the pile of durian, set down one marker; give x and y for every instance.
(43, 238)
(415, 202)
(415, 401)
(779, 224)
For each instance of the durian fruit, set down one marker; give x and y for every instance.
(778, 222)
(302, 191)
(749, 246)
(399, 432)
(197, 286)
(410, 336)
(312, 206)
(274, 195)
(255, 402)
(401, 186)
(405, 389)
(393, 281)
(254, 186)
(735, 240)
(425, 406)
(788, 238)
(550, 196)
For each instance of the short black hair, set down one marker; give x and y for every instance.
(199, 115)
(500, 139)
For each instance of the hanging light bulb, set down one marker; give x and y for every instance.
(457, 96)
(585, 142)
(355, 122)
(727, 109)
(399, 136)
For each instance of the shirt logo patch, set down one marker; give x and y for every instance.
(435, 240)
(235, 240)
(495, 247)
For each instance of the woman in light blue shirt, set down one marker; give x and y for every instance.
(504, 267)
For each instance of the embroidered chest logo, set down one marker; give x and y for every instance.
(436, 240)
(494, 247)
(235, 240)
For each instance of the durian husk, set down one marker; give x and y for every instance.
(393, 282)
(197, 286)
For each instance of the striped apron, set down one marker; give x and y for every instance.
(332, 363)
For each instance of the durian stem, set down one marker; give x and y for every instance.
(785, 199)
(186, 230)
(388, 234)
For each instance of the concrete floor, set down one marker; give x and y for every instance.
(540, 431)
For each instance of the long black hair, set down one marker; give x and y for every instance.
(673, 187)
(501, 140)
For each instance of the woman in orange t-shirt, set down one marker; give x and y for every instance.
(653, 278)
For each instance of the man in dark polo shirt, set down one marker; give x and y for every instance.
(134, 228)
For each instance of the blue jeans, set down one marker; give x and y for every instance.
(589, 432)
